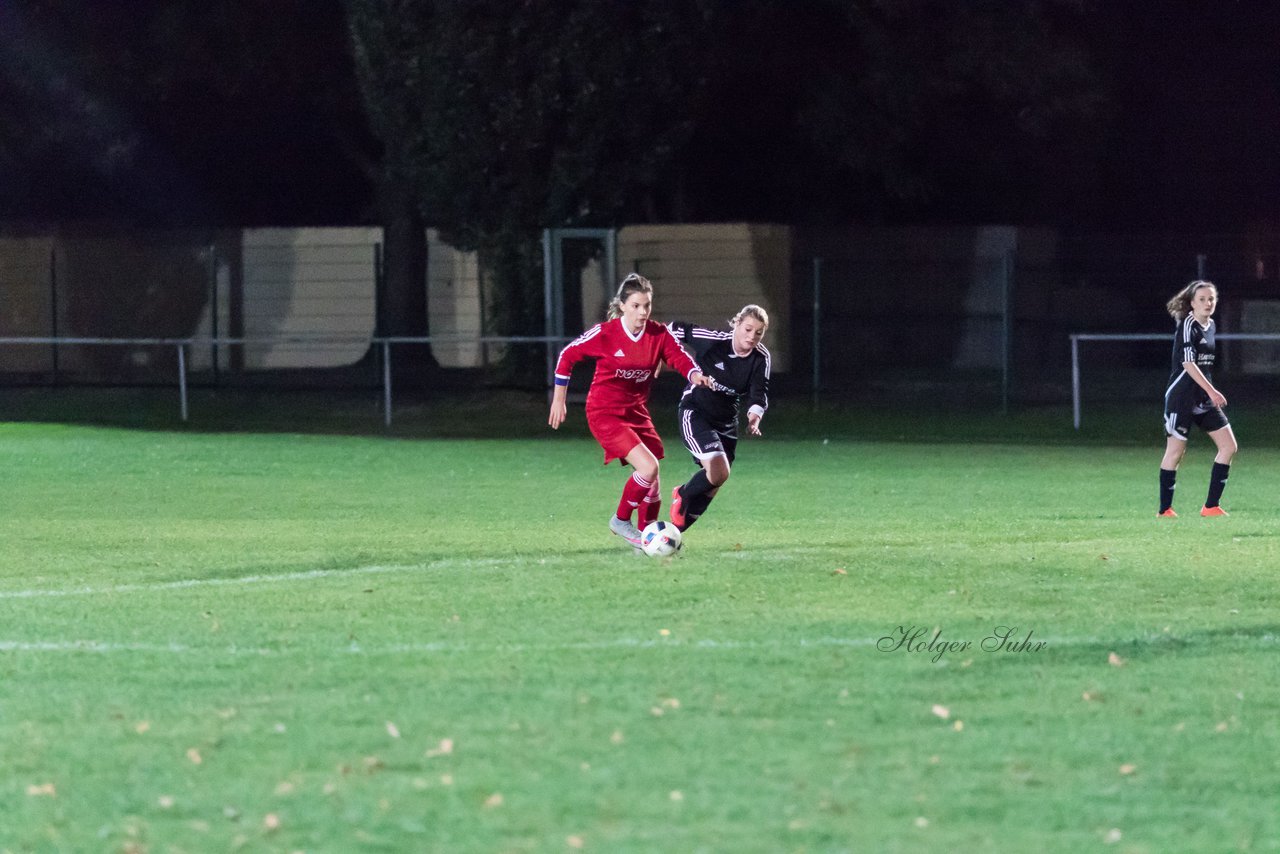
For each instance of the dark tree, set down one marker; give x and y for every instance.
(506, 118)
(180, 112)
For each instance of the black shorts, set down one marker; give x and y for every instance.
(704, 440)
(1182, 408)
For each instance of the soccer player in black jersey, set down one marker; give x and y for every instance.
(1191, 397)
(738, 365)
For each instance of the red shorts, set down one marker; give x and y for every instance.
(618, 433)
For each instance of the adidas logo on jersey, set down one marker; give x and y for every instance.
(720, 366)
(619, 354)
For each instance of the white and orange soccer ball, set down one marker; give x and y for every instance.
(660, 539)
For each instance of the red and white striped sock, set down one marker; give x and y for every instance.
(633, 495)
(650, 506)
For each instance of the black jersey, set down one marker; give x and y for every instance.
(1192, 343)
(734, 378)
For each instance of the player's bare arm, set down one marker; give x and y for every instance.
(559, 410)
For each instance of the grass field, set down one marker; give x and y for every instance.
(281, 642)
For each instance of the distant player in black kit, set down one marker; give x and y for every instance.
(739, 366)
(1191, 397)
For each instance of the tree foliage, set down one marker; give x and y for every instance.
(179, 112)
(512, 117)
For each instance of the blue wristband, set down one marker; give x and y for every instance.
(561, 381)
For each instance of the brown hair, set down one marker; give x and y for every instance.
(1179, 306)
(632, 284)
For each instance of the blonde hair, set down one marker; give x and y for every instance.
(752, 310)
(1179, 306)
(632, 284)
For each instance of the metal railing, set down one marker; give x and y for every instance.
(181, 345)
(1145, 336)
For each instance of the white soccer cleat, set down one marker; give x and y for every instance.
(625, 529)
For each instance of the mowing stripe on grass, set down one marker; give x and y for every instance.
(707, 644)
(288, 577)
(281, 578)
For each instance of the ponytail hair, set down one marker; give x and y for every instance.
(632, 284)
(1179, 305)
(751, 310)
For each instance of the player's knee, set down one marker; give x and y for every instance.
(718, 473)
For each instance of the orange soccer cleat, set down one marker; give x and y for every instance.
(1213, 511)
(677, 508)
(1167, 512)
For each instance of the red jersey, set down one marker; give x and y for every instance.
(625, 364)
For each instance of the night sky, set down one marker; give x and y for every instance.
(1188, 138)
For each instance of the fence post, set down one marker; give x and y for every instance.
(1075, 381)
(386, 383)
(53, 310)
(817, 328)
(212, 272)
(182, 379)
(1006, 343)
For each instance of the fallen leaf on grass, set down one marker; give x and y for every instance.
(575, 841)
(165, 802)
(393, 730)
(1115, 660)
(1128, 769)
(443, 749)
(1113, 836)
(617, 737)
(941, 711)
(193, 756)
(142, 727)
(676, 795)
(494, 800)
(43, 790)
(839, 570)
(271, 822)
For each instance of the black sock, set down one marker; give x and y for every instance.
(695, 507)
(1167, 479)
(695, 486)
(1217, 483)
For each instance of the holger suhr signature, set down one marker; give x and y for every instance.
(930, 641)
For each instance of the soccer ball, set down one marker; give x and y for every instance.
(659, 539)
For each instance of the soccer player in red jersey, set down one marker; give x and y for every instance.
(628, 348)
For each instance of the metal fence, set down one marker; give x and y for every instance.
(1165, 339)
(182, 347)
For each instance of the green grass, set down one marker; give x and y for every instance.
(398, 644)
